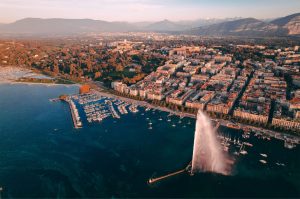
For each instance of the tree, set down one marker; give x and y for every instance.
(97, 75)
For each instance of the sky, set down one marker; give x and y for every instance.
(145, 10)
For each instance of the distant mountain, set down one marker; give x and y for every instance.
(142, 24)
(37, 26)
(165, 25)
(241, 27)
(204, 22)
(291, 23)
(285, 26)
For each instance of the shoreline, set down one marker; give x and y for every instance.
(272, 133)
(12, 82)
(12, 74)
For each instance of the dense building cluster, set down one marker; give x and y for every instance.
(245, 80)
(258, 91)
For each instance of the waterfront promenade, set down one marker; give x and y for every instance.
(271, 133)
(145, 104)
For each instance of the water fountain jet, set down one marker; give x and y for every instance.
(208, 155)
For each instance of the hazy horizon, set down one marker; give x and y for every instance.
(145, 10)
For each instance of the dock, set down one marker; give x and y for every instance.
(75, 116)
(154, 180)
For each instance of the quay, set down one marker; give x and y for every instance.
(112, 109)
(75, 116)
(155, 180)
(221, 122)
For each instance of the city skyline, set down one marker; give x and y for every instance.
(145, 10)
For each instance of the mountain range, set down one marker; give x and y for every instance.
(285, 26)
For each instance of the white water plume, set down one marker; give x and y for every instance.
(208, 155)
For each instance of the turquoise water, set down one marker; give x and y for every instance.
(42, 155)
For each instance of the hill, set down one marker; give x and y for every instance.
(240, 27)
(37, 26)
(291, 23)
(250, 27)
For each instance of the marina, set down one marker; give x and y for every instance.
(291, 141)
(98, 106)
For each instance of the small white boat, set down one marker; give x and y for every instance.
(263, 161)
(264, 155)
